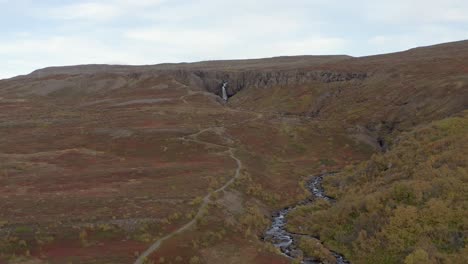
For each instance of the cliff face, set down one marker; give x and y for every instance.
(212, 80)
(393, 90)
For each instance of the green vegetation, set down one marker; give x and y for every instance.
(313, 248)
(246, 183)
(252, 221)
(407, 205)
(195, 260)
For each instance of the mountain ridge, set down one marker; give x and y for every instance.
(93, 68)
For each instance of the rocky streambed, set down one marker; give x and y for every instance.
(285, 241)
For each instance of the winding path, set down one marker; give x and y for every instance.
(199, 214)
(194, 138)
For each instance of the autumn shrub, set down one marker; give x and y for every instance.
(406, 205)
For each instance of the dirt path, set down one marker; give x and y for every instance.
(192, 92)
(199, 214)
(194, 138)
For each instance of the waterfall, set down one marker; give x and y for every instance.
(225, 97)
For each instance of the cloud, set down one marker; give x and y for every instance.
(62, 50)
(425, 35)
(44, 33)
(179, 36)
(100, 11)
(313, 45)
(417, 12)
(95, 11)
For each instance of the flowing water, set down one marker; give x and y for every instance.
(225, 97)
(286, 241)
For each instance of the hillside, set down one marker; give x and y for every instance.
(102, 162)
(407, 204)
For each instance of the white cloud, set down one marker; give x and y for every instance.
(95, 11)
(99, 10)
(39, 33)
(179, 36)
(315, 46)
(62, 50)
(426, 35)
(416, 12)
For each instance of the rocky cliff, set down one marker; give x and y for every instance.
(213, 80)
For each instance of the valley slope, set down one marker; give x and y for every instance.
(100, 161)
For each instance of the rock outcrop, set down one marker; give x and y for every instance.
(212, 81)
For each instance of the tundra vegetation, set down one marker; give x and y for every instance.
(406, 204)
(97, 163)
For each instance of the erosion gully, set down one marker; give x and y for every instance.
(285, 241)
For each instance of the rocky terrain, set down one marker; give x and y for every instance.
(148, 164)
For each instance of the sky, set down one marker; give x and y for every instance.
(40, 33)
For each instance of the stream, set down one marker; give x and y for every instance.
(286, 241)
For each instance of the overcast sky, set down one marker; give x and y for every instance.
(40, 33)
